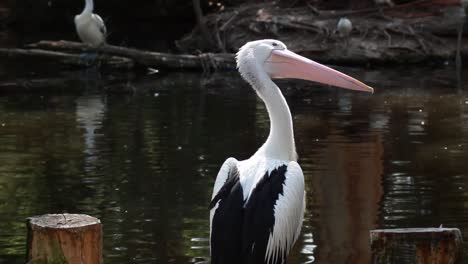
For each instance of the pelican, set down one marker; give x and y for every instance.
(258, 204)
(90, 27)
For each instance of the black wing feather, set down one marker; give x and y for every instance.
(259, 218)
(226, 233)
(240, 234)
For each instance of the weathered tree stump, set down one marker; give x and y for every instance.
(416, 245)
(64, 239)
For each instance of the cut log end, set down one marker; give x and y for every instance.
(63, 221)
(416, 245)
(64, 238)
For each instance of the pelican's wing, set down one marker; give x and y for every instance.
(100, 23)
(273, 215)
(226, 215)
(289, 213)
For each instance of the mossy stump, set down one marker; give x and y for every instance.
(416, 246)
(64, 239)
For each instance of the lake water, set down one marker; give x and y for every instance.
(140, 152)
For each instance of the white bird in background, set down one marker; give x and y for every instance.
(384, 3)
(90, 27)
(258, 204)
(344, 27)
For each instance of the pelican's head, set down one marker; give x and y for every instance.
(273, 58)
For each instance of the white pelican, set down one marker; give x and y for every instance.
(258, 204)
(90, 27)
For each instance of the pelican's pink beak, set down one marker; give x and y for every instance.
(287, 64)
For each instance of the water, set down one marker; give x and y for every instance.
(141, 153)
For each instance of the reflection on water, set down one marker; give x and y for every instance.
(142, 153)
(89, 114)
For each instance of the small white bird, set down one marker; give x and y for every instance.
(384, 2)
(90, 27)
(344, 27)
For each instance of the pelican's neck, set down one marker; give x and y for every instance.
(89, 7)
(280, 143)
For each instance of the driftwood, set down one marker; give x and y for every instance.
(68, 59)
(413, 32)
(206, 61)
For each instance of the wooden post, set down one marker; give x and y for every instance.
(64, 239)
(416, 245)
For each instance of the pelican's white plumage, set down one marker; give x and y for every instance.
(289, 212)
(258, 204)
(90, 27)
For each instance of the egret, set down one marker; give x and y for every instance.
(90, 27)
(258, 204)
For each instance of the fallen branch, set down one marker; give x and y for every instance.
(206, 61)
(68, 59)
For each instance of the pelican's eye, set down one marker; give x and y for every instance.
(274, 44)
